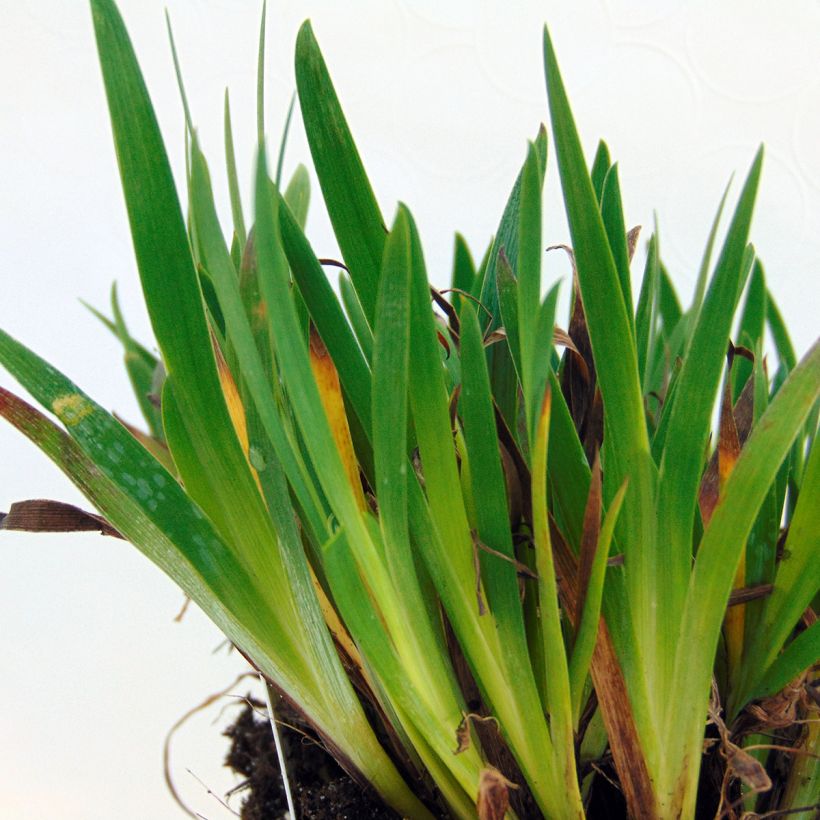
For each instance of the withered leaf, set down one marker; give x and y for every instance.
(589, 536)
(493, 794)
(632, 240)
(41, 515)
(750, 770)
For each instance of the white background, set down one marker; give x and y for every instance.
(441, 97)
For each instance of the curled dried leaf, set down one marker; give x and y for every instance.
(561, 337)
(463, 730)
(493, 794)
(463, 740)
(781, 710)
(749, 770)
(570, 253)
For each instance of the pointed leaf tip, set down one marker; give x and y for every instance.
(305, 36)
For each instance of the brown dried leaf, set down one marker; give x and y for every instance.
(448, 310)
(589, 536)
(498, 335)
(520, 568)
(745, 594)
(41, 515)
(632, 240)
(561, 337)
(781, 710)
(463, 740)
(728, 440)
(493, 794)
(709, 486)
(444, 343)
(570, 253)
(749, 769)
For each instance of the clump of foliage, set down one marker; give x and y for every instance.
(486, 559)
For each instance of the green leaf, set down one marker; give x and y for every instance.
(424, 656)
(717, 560)
(703, 272)
(297, 195)
(508, 302)
(140, 364)
(464, 270)
(691, 414)
(305, 400)
(751, 327)
(489, 493)
(668, 303)
(777, 327)
(390, 376)
(355, 314)
(173, 294)
(542, 349)
(443, 534)
(178, 71)
(612, 211)
(354, 212)
(798, 574)
(647, 302)
(600, 166)
(796, 658)
(614, 354)
(507, 238)
(260, 78)
(283, 144)
(233, 180)
(568, 468)
(528, 262)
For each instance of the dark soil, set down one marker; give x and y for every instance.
(321, 789)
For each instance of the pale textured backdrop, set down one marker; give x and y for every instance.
(441, 97)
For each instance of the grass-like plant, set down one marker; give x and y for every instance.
(471, 561)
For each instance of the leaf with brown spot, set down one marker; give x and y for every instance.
(330, 392)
